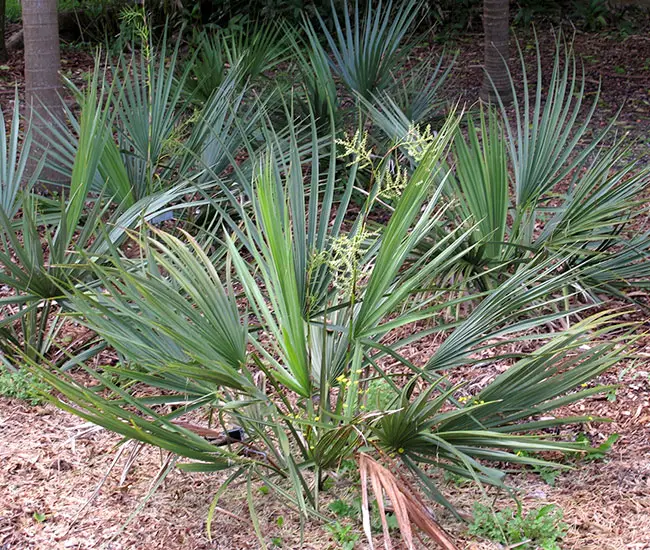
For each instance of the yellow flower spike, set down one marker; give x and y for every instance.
(400, 450)
(357, 146)
(344, 259)
(583, 385)
(317, 419)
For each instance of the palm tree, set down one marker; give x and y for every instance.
(496, 14)
(3, 45)
(42, 64)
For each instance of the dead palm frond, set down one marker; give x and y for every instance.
(409, 509)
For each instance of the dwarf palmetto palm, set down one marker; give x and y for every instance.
(321, 94)
(254, 48)
(547, 146)
(544, 137)
(208, 69)
(13, 162)
(25, 266)
(149, 105)
(366, 47)
(14, 156)
(206, 147)
(417, 90)
(143, 108)
(161, 137)
(81, 220)
(370, 53)
(589, 215)
(291, 362)
(570, 193)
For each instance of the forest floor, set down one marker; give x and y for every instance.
(51, 464)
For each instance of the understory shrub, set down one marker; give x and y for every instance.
(539, 528)
(21, 385)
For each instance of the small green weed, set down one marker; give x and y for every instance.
(21, 385)
(593, 13)
(328, 483)
(592, 59)
(540, 528)
(343, 509)
(40, 517)
(611, 394)
(379, 394)
(631, 369)
(349, 469)
(343, 535)
(348, 465)
(13, 11)
(595, 453)
(458, 480)
(547, 473)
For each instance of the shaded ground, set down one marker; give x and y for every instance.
(48, 471)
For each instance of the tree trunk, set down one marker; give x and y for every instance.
(42, 64)
(496, 22)
(3, 23)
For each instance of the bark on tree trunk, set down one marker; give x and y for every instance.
(42, 64)
(3, 22)
(496, 22)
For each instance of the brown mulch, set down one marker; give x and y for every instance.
(48, 472)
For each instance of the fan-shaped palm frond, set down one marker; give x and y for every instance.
(367, 47)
